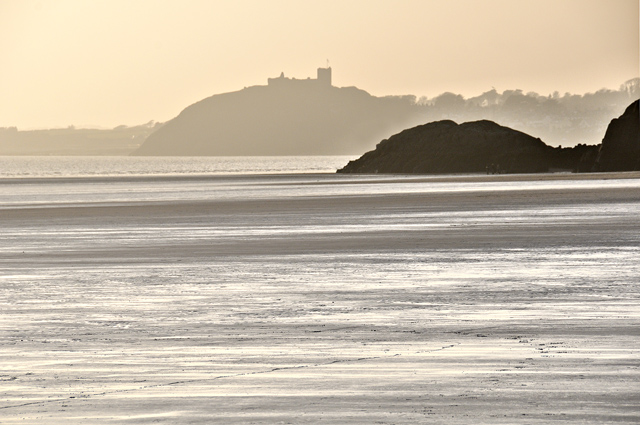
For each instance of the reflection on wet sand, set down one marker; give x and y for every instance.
(320, 299)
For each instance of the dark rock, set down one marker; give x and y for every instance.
(446, 147)
(620, 149)
(578, 159)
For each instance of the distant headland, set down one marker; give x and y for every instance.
(288, 116)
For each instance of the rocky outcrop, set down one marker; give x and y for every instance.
(620, 149)
(447, 147)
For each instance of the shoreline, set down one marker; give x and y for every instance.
(346, 178)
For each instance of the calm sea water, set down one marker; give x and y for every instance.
(85, 166)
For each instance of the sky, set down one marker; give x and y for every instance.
(104, 63)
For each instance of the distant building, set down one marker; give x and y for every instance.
(323, 79)
(324, 76)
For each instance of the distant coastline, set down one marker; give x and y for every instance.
(310, 116)
(119, 141)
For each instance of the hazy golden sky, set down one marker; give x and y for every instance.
(112, 62)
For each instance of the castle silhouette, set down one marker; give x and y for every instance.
(323, 79)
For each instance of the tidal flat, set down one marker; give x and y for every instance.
(320, 298)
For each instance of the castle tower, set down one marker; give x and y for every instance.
(324, 76)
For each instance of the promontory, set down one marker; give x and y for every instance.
(286, 117)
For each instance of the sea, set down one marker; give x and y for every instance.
(86, 166)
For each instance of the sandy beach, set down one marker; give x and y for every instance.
(320, 299)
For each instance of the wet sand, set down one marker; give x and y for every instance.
(471, 306)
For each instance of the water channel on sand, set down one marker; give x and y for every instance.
(320, 298)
